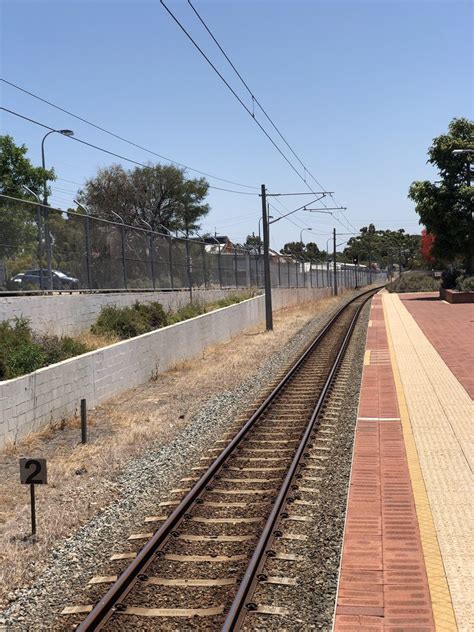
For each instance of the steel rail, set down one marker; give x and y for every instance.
(240, 605)
(104, 609)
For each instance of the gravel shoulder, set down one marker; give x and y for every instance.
(142, 443)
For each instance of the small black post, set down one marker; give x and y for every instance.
(33, 509)
(83, 421)
(266, 261)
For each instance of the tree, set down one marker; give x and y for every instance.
(382, 246)
(446, 208)
(301, 251)
(426, 247)
(18, 227)
(158, 194)
(254, 241)
(16, 170)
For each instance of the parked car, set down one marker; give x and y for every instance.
(31, 280)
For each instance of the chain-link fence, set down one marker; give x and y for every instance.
(43, 249)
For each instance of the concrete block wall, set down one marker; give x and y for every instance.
(69, 314)
(53, 393)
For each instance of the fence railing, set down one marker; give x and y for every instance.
(43, 249)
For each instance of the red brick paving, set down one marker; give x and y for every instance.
(383, 584)
(450, 329)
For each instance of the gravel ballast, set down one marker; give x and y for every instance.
(146, 480)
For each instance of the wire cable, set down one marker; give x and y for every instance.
(188, 35)
(125, 140)
(254, 100)
(107, 151)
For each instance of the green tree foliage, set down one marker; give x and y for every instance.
(383, 246)
(446, 207)
(157, 194)
(254, 241)
(302, 251)
(16, 170)
(18, 227)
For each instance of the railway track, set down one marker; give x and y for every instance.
(235, 533)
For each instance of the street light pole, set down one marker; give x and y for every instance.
(40, 237)
(266, 261)
(64, 132)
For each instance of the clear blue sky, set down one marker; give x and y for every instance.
(358, 88)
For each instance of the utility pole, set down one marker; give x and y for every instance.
(266, 262)
(334, 260)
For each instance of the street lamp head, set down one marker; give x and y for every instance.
(458, 152)
(66, 132)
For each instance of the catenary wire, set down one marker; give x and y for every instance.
(107, 151)
(125, 140)
(196, 45)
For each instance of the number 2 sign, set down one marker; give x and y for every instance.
(33, 472)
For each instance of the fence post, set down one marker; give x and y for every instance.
(248, 268)
(124, 259)
(288, 270)
(279, 272)
(219, 265)
(188, 265)
(236, 271)
(88, 252)
(47, 235)
(152, 261)
(40, 245)
(204, 270)
(170, 259)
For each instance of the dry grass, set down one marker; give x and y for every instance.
(81, 477)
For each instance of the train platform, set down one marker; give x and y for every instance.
(407, 561)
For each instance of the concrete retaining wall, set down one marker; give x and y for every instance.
(69, 314)
(30, 402)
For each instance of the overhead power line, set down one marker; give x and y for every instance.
(122, 138)
(254, 100)
(107, 151)
(196, 45)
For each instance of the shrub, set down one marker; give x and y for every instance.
(191, 310)
(22, 352)
(57, 348)
(465, 284)
(449, 278)
(414, 282)
(19, 353)
(127, 322)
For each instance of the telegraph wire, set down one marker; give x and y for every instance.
(107, 151)
(254, 100)
(125, 140)
(188, 35)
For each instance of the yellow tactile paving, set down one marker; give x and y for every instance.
(436, 413)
